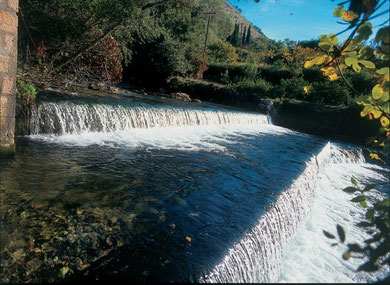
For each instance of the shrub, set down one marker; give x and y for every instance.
(313, 75)
(155, 57)
(275, 74)
(291, 88)
(222, 52)
(253, 89)
(232, 73)
(26, 91)
(329, 93)
(363, 82)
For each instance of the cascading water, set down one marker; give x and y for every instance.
(172, 194)
(258, 257)
(70, 118)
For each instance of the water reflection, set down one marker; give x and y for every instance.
(124, 212)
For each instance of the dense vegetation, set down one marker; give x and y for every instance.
(148, 44)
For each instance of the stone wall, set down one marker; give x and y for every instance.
(8, 64)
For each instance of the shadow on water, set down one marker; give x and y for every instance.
(139, 214)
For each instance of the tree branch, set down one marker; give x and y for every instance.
(345, 80)
(85, 49)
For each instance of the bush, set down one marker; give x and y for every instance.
(245, 94)
(231, 73)
(253, 89)
(313, 75)
(222, 52)
(26, 91)
(329, 93)
(275, 75)
(155, 57)
(363, 82)
(291, 88)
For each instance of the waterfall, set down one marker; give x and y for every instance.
(70, 118)
(258, 256)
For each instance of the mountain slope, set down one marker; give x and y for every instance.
(236, 15)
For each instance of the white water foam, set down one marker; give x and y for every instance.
(309, 257)
(70, 118)
(280, 248)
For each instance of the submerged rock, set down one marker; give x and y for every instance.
(180, 95)
(265, 105)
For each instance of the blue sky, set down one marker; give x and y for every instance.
(296, 19)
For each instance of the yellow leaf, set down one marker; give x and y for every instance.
(306, 89)
(374, 156)
(377, 92)
(348, 16)
(371, 112)
(333, 77)
(308, 64)
(328, 70)
(188, 239)
(374, 114)
(64, 271)
(385, 122)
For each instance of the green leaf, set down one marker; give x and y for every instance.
(341, 233)
(368, 267)
(359, 199)
(353, 181)
(328, 235)
(325, 46)
(349, 61)
(369, 187)
(333, 39)
(383, 35)
(350, 189)
(383, 70)
(383, 205)
(356, 67)
(370, 214)
(363, 204)
(377, 92)
(337, 11)
(354, 247)
(367, 64)
(364, 224)
(364, 31)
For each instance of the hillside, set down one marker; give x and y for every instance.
(236, 15)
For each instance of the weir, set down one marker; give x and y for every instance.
(240, 198)
(258, 256)
(70, 118)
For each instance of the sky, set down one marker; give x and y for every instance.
(297, 19)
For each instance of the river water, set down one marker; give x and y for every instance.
(149, 191)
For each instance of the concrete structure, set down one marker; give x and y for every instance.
(8, 64)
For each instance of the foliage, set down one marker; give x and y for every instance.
(253, 88)
(26, 91)
(329, 93)
(297, 55)
(156, 56)
(352, 54)
(233, 73)
(335, 58)
(290, 88)
(222, 52)
(377, 222)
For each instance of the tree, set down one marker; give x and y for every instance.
(334, 58)
(234, 39)
(248, 36)
(222, 52)
(244, 37)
